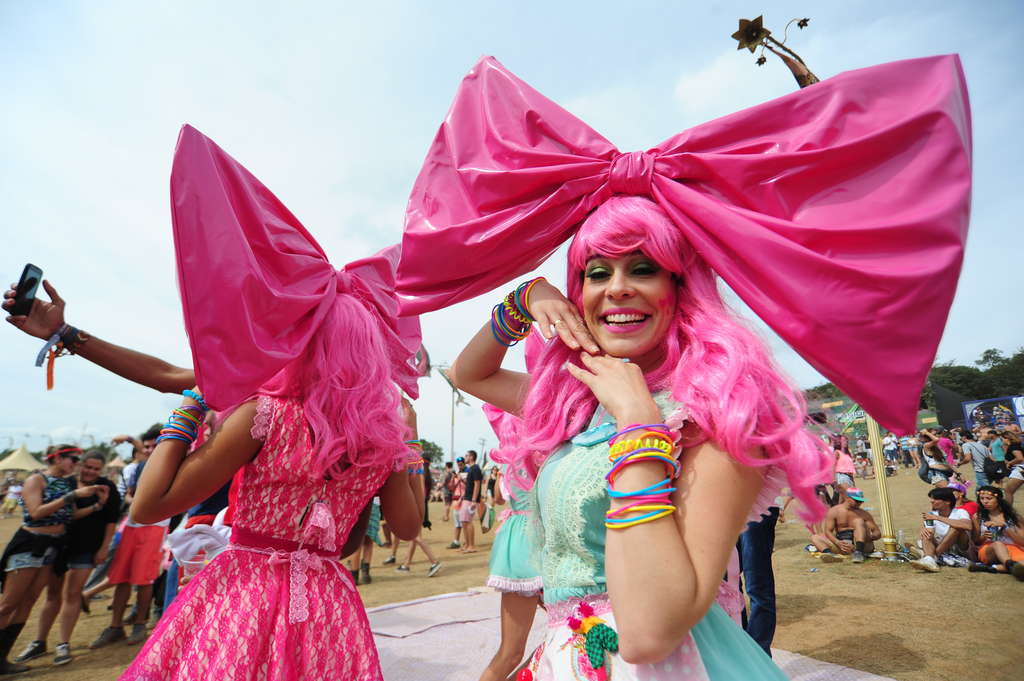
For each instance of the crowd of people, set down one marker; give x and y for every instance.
(77, 540)
(983, 535)
(648, 401)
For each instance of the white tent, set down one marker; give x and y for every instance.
(20, 460)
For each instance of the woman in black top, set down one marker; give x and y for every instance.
(49, 501)
(88, 540)
(1014, 463)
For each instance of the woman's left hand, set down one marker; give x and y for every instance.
(619, 386)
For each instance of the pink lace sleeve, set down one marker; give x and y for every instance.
(264, 415)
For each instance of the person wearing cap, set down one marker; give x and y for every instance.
(945, 535)
(36, 550)
(960, 492)
(848, 529)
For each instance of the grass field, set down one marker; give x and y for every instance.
(884, 618)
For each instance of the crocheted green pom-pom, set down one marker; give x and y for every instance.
(600, 638)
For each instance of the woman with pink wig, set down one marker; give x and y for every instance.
(311, 360)
(654, 426)
(636, 293)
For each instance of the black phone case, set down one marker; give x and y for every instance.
(25, 293)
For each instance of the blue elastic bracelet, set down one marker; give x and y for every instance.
(653, 489)
(197, 397)
(173, 437)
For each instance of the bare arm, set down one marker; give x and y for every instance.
(663, 575)
(477, 370)
(681, 562)
(401, 497)
(32, 495)
(830, 527)
(957, 523)
(399, 508)
(46, 318)
(172, 483)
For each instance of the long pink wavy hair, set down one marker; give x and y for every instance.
(715, 366)
(349, 398)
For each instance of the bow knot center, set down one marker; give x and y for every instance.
(631, 173)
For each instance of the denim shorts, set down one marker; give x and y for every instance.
(77, 561)
(844, 479)
(935, 475)
(19, 561)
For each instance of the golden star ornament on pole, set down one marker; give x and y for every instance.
(752, 34)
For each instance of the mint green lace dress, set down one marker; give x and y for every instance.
(512, 569)
(569, 500)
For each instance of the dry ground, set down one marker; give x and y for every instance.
(884, 618)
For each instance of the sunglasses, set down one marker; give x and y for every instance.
(73, 457)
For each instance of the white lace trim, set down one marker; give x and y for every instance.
(523, 587)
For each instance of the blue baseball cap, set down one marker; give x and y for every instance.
(855, 493)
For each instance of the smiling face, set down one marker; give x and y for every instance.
(628, 305)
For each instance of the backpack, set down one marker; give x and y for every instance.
(995, 470)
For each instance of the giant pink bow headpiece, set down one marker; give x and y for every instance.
(838, 213)
(255, 285)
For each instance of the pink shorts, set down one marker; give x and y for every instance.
(466, 512)
(138, 556)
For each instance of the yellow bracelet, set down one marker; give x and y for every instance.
(515, 314)
(639, 521)
(671, 465)
(626, 446)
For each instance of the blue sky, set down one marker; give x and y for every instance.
(333, 105)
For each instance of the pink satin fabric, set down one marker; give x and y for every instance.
(838, 213)
(255, 285)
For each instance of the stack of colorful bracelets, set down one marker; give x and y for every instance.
(184, 422)
(637, 444)
(510, 319)
(414, 464)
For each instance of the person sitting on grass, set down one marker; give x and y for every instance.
(848, 529)
(945, 538)
(1000, 534)
(962, 500)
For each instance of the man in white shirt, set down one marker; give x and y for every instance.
(944, 538)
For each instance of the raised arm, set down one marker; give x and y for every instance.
(47, 318)
(32, 496)
(401, 497)
(477, 370)
(664, 575)
(172, 483)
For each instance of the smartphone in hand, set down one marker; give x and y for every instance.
(25, 293)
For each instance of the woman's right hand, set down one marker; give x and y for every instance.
(44, 319)
(555, 314)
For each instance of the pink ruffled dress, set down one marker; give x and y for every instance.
(277, 605)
